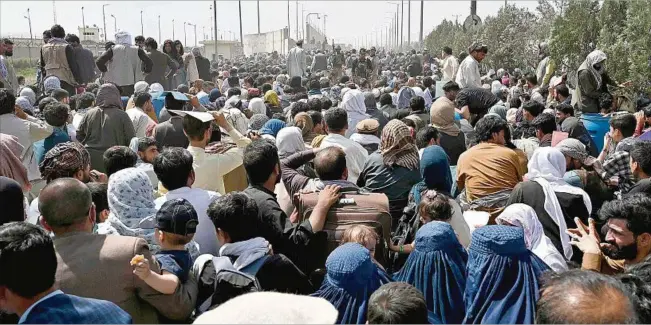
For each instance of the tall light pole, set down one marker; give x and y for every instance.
(31, 36)
(203, 32)
(395, 36)
(160, 40)
(104, 18)
(195, 32)
(297, 36)
(239, 4)
(289, 27)
(83, 24)
(324, 27)
(307, 19)
(115, 24)
(214, 15)
(185, 35)
(402, 23)
(258, 16)
(54, 12)
(408, 23)
(173, 36)
(420, 39)
(142, 25)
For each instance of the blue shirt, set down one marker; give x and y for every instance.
(26, 313)
(59, 135)
(175, 262)
(61, 308)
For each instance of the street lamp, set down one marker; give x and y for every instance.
(398, 29)
(195, 33)
(115, 24)
(307, 19)
(173, 36)
(185, 35)
(83, 24)
(31, 37)
(104, 19)
(142, 25)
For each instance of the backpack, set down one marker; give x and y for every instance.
(219, 280)
(353, 208)
(405, 233)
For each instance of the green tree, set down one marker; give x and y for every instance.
(638, 35)
(613, 16)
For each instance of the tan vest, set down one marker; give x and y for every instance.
(56, 62)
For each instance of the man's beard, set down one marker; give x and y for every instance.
(9, 53)
(628, 252)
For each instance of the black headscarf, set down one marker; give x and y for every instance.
(11, 201)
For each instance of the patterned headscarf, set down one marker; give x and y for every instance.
(272, 98)
(29, 94)
(257, 121)
(397, 146)
(131, 196)
(573, 148)
(51, 83)
(304, 122)
(23, 103)
(64, 160)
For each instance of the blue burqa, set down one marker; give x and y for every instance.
(350, 280)
(435, 170)
(502, 281)
(272, 127)
(437, 267)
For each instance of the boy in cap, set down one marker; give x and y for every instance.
(176, 223)
(367, 135)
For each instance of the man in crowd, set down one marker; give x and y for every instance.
(68, 212)
(362, 66)
(336, 126)
(580, 297)
(7, 73)
(615, 154)
(448, 65)
(147, 150)
(545, 125)
(534, 90)
(296, 61)
(27, 287)
(397, 303)
(84, 60)
(138, 114)
(567, 122)
(124, 63)
(531, 109)
(641, 168)
(211, 168)
(337, 59)
(468, 74)
(174, 170)
(562, 94)
(489, 171)
(163, 67)
(203, 64)
(58, 59)
(169, 131)
(320, 62)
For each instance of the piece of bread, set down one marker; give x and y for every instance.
(137, 259)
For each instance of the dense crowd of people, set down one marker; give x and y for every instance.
(154, 185)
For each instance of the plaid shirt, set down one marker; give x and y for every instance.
(617, 164)
(61, 308)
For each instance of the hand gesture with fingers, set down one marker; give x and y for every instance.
(586, 238)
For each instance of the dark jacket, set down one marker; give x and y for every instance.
(163, 67)
(203, 66)
(170, 133)
(85, 64)
(320, 63)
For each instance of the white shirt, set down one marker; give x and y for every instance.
(206, 235)
(468, 74)
(536, 96)
(210, 169)
(33, 212)
(356, 155)
(449, 66)
(140, 121)
(27, 131)
(23, 318)
(76, 119)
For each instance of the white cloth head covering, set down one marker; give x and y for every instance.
(547, 168)
(123, 38)
(593, 58)
(196, 51)
(140, 86)
(271, 308)
(523, 216)
(29, 94)
(257, 106)
(353, 103)
(289, 140)
(496, 86)
(156, 87)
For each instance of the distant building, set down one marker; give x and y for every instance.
(89, 34)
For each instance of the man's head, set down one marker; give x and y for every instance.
(142, 99)
(56, 114)
(628, 222)
(640, 162)
(478, 51)
(99, 195)
(622, 126)
(336, 120)
(117, 158)
(574, 152)
(561, 92)
(140, 41)
(28, 265)
(235, 217)
(61, 95)
(417, 104)
(197, 130)
(532, 80)
(173, 168)
(7, 102)
(47, 35)
(151, 44)
(262, 163)
(531, 109)
(427, 136)
(564, 111)
(606, 103)
(584, 297)
(446, 51)
(147, 149)
(317, 120)
(397, 303)
(73, 40)
(58, 31)
(299, 43)
(66, 205)
(68, 159)
(545, 124)
(8, 47)
(637, 279)
(451, 89)
(330, 164)
(491, 129)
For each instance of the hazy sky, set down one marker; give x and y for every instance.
(346, 20)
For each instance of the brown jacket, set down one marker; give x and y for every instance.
(602, 264)
(97, 266)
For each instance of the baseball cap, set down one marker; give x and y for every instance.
(177, 216)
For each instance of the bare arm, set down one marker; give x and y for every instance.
(165, 283)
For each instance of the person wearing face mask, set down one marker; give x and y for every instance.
(592, 82)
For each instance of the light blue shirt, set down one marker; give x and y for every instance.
(26, 313)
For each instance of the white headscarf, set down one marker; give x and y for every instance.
(123, 38)
(547, 167)
(156, 87)
(140, 86)
(234, 116)
(593, 58)
(289, 141)
(257, 106)
(353, 103)
(523, 216)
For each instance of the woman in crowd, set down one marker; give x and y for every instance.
(556, 203)
(169, 48)
(257, 106)
(523, 216)
(393, 169)
(503, 278)
(271, 129)
(404, 97)
(303, 121)
(437, 267)
(452, 140)
(272, 101)
(353, 103)
(350, 280)
(12, 201)
(257, 121)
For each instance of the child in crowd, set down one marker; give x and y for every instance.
(99, 194)
(176, 223)
(363, 235)
(434, 206)
(56, 115)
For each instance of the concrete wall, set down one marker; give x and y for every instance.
(24, 48)
(229, 49)
(313, 34)
(267, 42)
